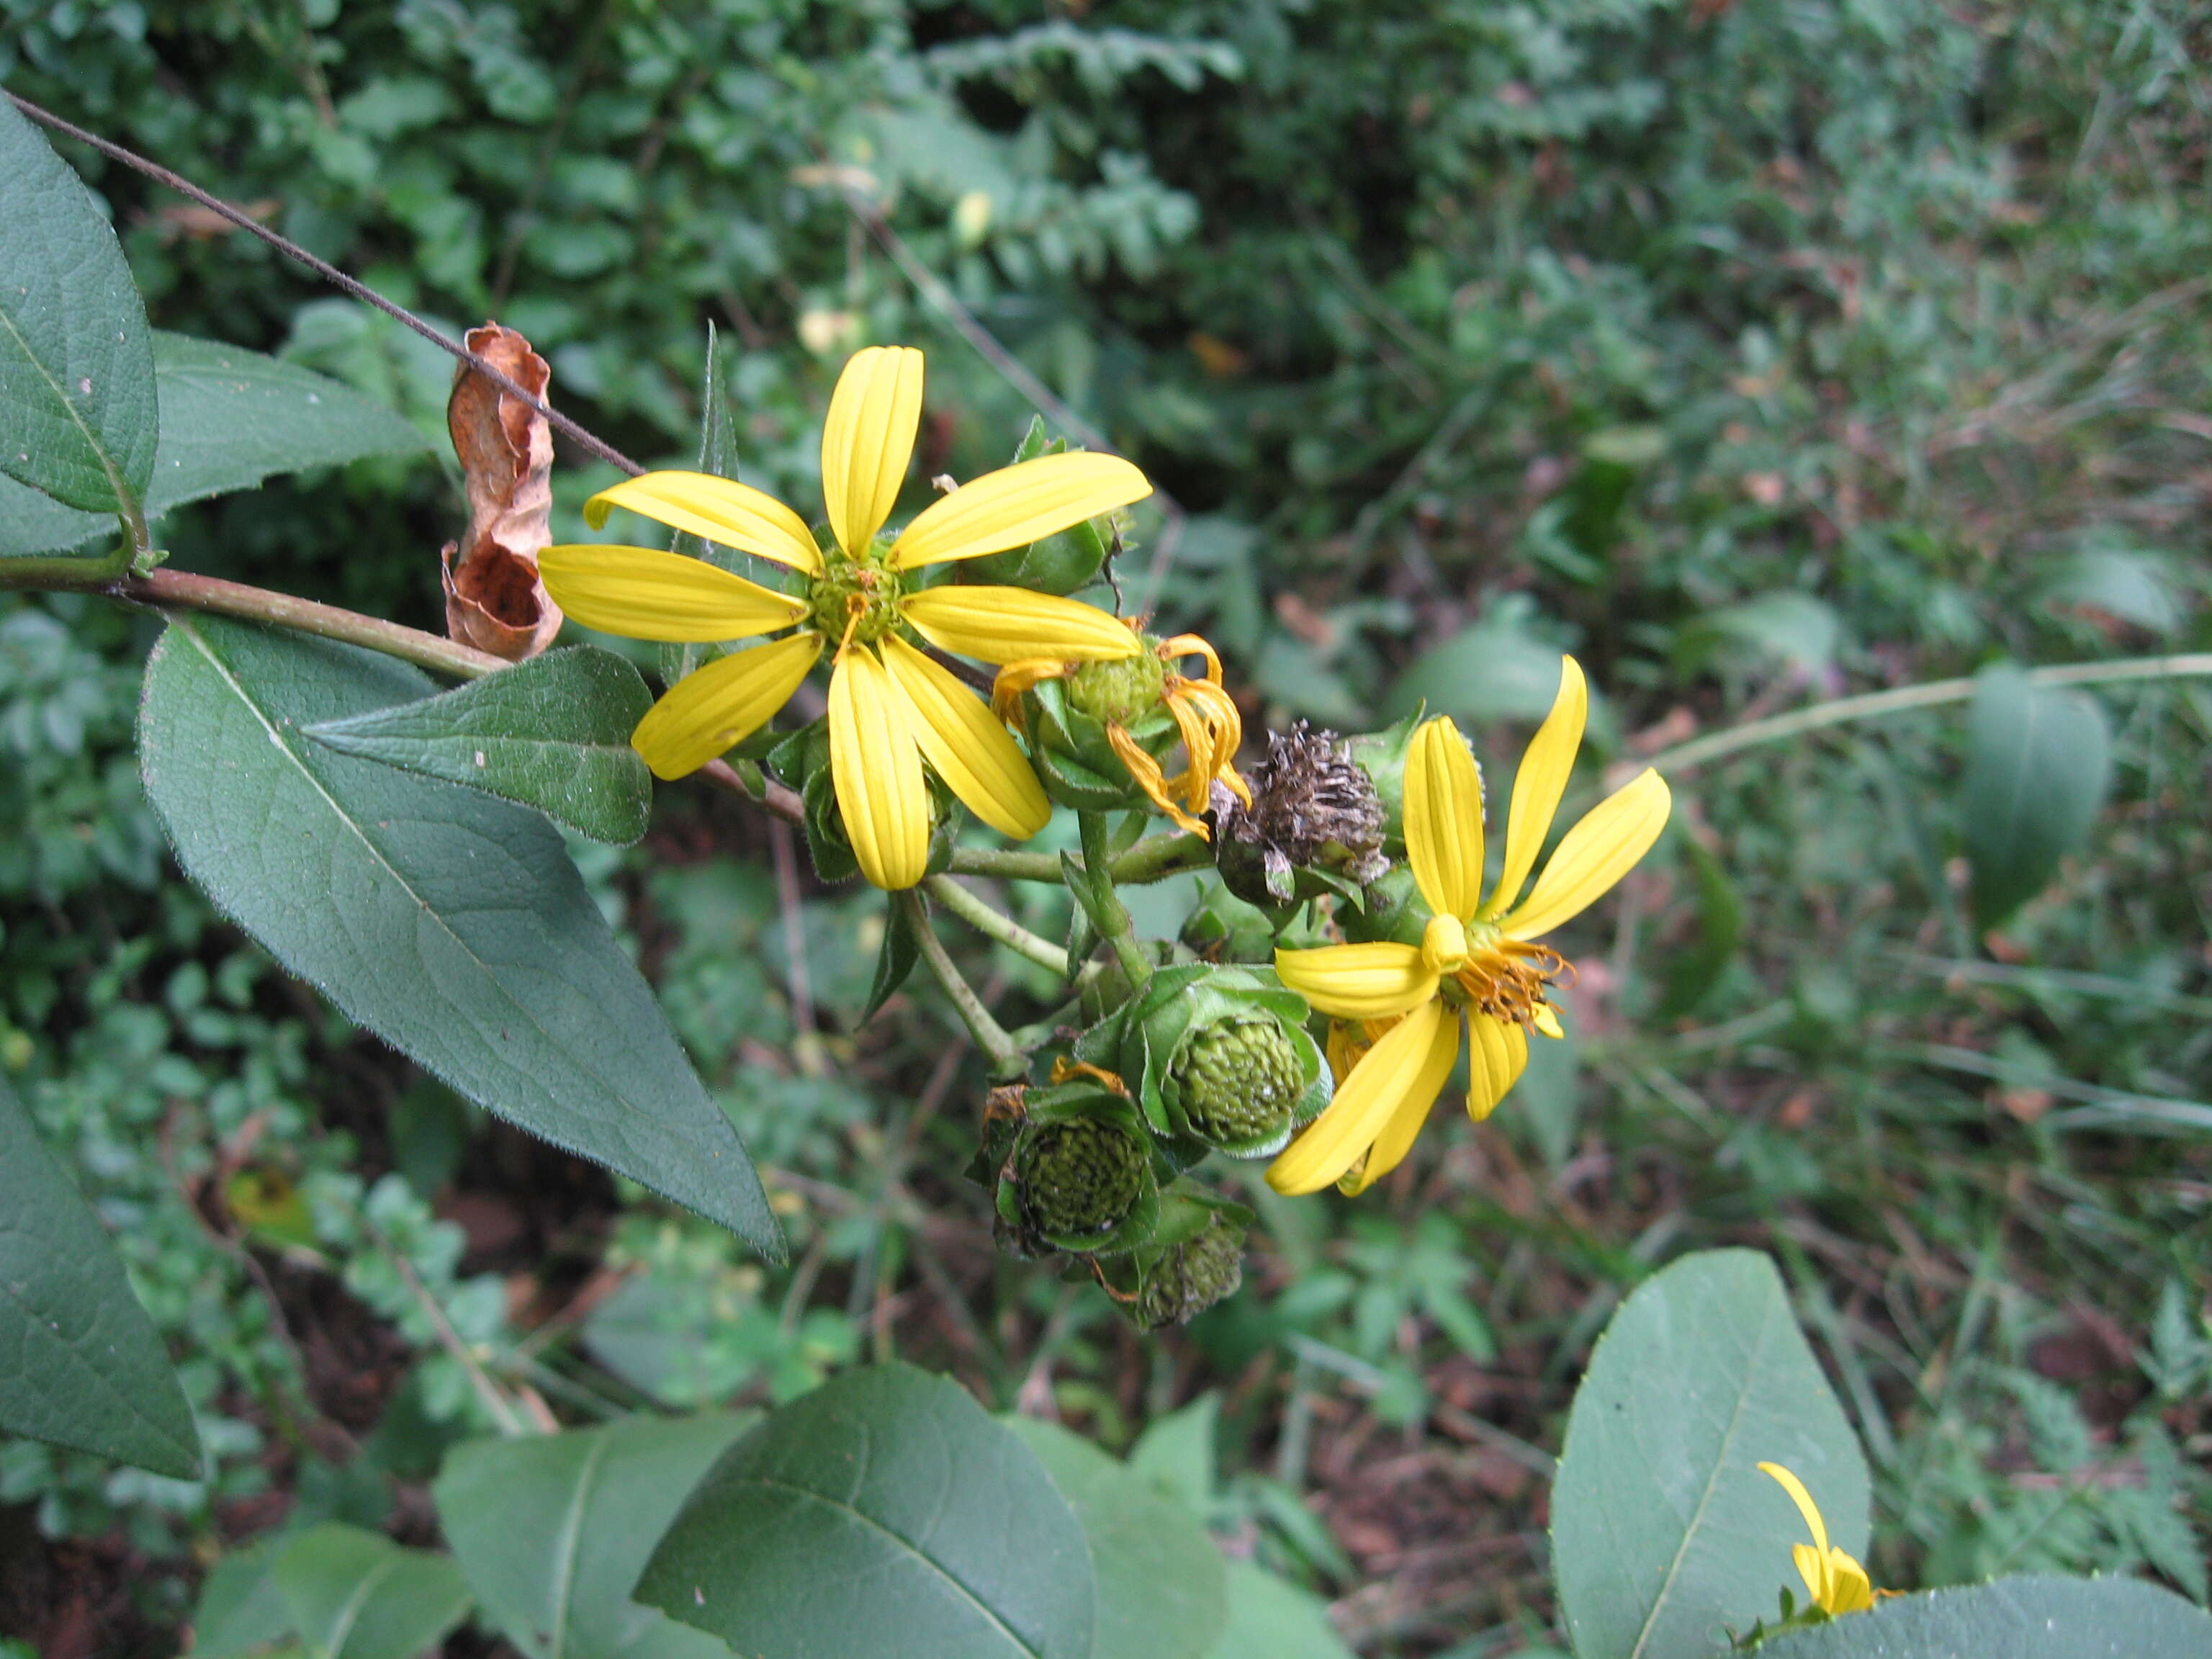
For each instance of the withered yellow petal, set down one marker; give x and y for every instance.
(877, 771)
(1398, 1134)
(643, 594)
(1007, 624)
(705, 713)
(868, 438)
(1497, 1055)
(1594, 855)
(721, 509)
(1018, 505)
(1388, 1075)
(970, 748)
(1444, 819)
(1359, 981)
(1546, 766)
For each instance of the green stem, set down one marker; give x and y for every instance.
(1108, 914)
(1717, 745)
(1151, 859)
(1005, 1054)
(989, 922)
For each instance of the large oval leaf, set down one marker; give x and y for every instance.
(450, 924)
(76, 367)
(2039, 764)
(79, 1363)
(884, 1513)
(2031, 1617)
(1162, 1593)
(552, 1531)
(230, 418)
(355, 1594)
(552, 732)
(1665, 1535)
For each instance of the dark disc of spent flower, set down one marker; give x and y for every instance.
(1313, 807)
(1239, 1080)
(1077, 1179)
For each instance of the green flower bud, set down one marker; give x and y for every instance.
(1077, 1180)
(1316, 824)
(1068, 720)
(1189, 1278)
(1072, 1164)
(1240, 1079)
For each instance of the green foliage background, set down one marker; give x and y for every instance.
(1756, 352)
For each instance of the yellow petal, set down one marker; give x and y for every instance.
(970, 751)
(1018, 505)
(1595, 854)
(1812, 1568)
(877, 771)
(1391, 1073)
(1398, 1134)
(721, 509)
(1803, 1499)
(1359, 981)
(643, 594)
(1005, 625)
(1497, 1055)
(868, 438)
(724, 704)
(1546, 766)
(1849, 1590)
(1444, 819)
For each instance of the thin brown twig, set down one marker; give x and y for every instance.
(329, 273)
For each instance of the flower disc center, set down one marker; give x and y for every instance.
(855, 597)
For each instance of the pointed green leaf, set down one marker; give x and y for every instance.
(1161, 1589)
(356, 1594)
(552, 732)
(1665, 1535)
(242, 1614)
(230, 418)
(79, 1363)
(76, 367)
(452, 924)
(2030, 1617)
(884, 1513)
(552, 1531)
(1269, 1618)
(2038, 766)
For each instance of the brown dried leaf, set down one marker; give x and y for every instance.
(495, 600)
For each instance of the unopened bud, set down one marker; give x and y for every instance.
(1238, 1080)
(1077, 1180)
(1190, 1277)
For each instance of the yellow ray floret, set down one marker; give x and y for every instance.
(1479, 963)
(1834, 1579)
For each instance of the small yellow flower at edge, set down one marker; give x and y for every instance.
(1478, 964)
(891, 706)
(1836, 1582)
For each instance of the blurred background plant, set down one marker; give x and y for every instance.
(1760, 353)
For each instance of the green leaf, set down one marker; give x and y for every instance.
(552, 732)
(884, 1513)
(242, 1614)
(1496, 670)
(718, 457)
(1176, 1454)
(2038, 765)
(1161, 1590)
(2030, 1617)
(356, 1594)
(230, 418)
(895, 961)
(79, 1363)
(551, 1531)
(76, 368)
(1269, 1618)
(452, 924)
(1664, 1533)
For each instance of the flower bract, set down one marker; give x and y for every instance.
(1478, 965)
(865, 598)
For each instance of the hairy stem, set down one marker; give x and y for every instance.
(1718, 745)
(1005, 1054)
(1154, 859)
(1096, 894)
(972, 909)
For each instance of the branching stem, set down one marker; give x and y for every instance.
(1154, 859)
(1096, 894)
(1005, 1054)
(978, 913)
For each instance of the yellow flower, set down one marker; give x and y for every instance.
(1836, 1582)
(891, 706)
(1207, 720)
(1478, 963)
